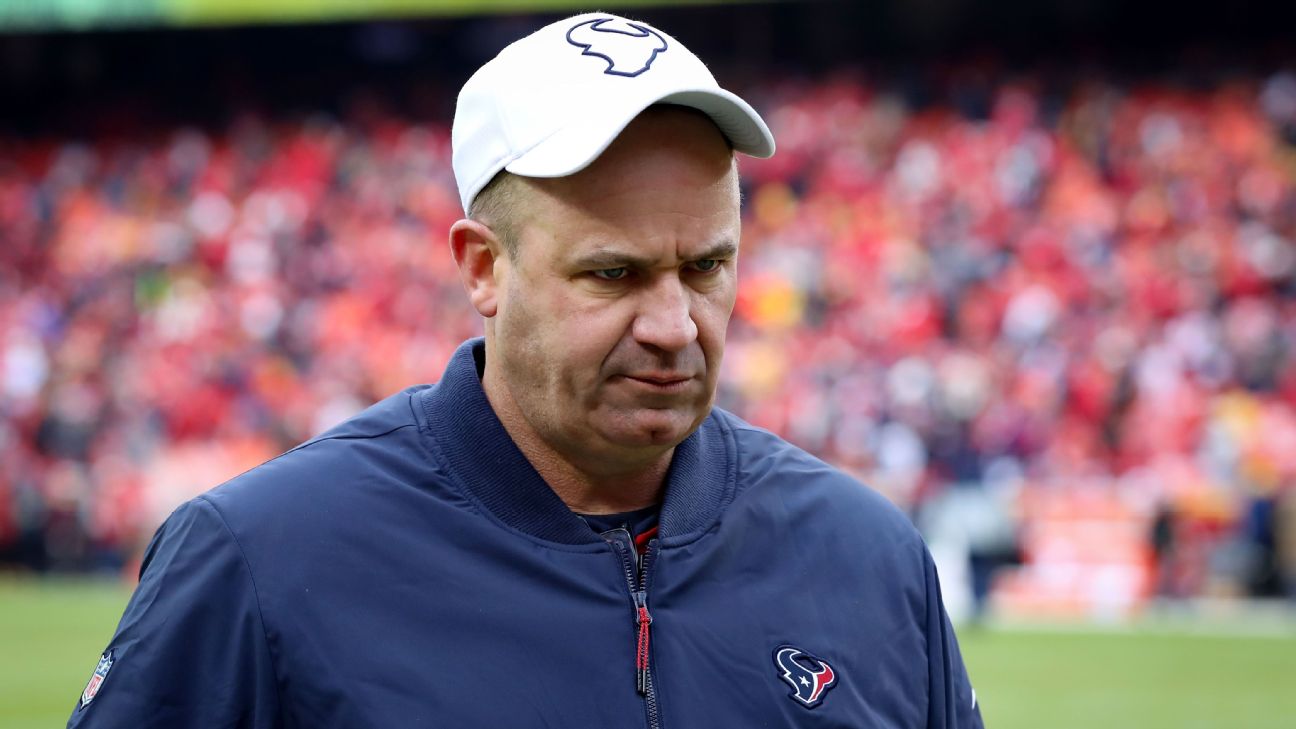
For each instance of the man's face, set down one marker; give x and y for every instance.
(612, 313)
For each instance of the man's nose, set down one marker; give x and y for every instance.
(665, 318)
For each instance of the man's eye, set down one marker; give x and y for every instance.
(707, 265)
(612, 274)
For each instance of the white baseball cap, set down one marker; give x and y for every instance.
(550, 103)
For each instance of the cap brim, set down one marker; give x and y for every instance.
(574, 147)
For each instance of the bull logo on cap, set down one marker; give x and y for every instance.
(809, 677)
(629, 48)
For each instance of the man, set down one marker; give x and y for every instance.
(562, 532)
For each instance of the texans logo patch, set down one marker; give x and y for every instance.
(628, 48)
(809, 677)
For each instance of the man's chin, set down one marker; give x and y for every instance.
(652, 428)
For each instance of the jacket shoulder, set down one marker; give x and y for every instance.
(381, 443)
(770, 467)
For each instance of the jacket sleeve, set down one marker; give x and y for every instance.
(190, 650)
(952, 700)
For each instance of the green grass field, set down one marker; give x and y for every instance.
(1182, 675)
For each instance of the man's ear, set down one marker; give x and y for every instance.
(476, 248)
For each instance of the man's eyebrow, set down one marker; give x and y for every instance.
(722, 250)
(610, 258)
(603, 258)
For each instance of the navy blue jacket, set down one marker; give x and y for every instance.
(409, 568)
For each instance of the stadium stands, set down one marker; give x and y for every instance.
(1084, 302)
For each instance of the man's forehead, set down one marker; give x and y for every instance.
(630, 222)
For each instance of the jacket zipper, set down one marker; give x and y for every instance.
(636, 573)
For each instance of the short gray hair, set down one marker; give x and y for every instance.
(495, 207)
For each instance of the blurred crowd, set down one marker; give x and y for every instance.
(1013, 289)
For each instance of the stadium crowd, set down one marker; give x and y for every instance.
(1019, 288)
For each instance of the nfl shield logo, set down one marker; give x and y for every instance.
(96, 681)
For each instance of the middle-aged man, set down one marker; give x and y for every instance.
(563, 532)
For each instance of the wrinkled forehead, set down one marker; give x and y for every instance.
(634, 226)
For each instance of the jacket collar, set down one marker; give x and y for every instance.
(482, 456)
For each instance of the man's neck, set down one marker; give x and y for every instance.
(587, 494)
(589, 489)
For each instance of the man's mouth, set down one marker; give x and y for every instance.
(662, 381)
